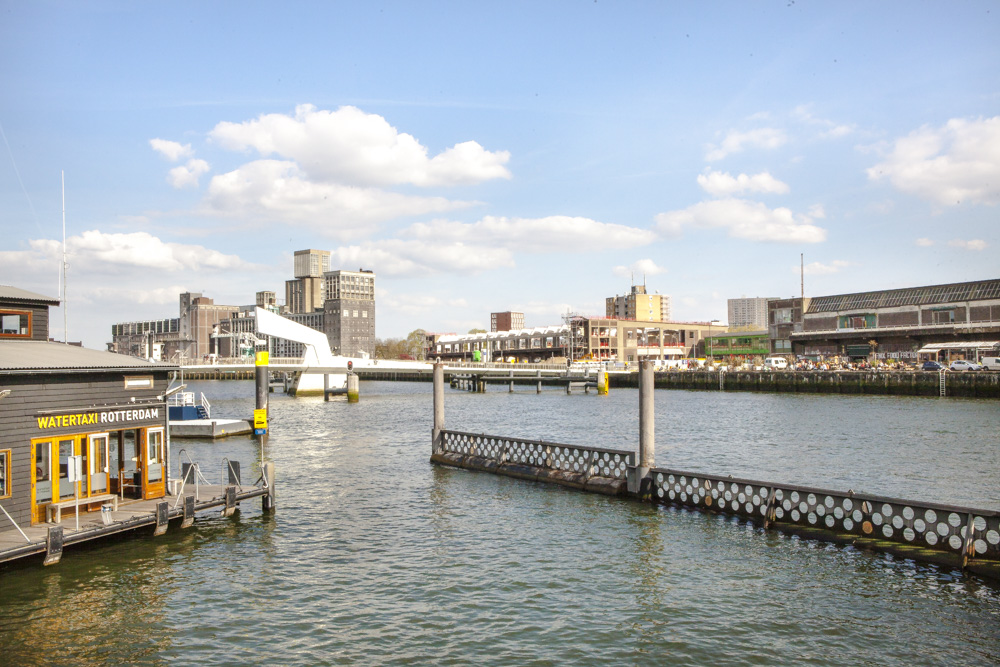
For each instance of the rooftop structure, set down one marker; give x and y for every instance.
(506, 321)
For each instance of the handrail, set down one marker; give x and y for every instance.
(208, 406)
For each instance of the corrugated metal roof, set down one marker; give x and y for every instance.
(909, 296)
(18, 294)
(26, 355)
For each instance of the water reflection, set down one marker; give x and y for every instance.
(375, 556)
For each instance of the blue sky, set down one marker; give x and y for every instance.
(495, 156)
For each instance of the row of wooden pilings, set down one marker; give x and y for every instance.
(476, 382)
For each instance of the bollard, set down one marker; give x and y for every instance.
(353, 388)
(261, 377)
(538, 374)
(326, 386)
(436, 444)
(267, 501)
(638, 477)
(602, 383)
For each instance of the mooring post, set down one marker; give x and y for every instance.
(639, 475)
(326, 386)
(436, 444)
(267, 501)
(260, 413)
(602, 383)
(538, 374)
(353, 388)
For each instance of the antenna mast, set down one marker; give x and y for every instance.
(802, 275)
(62, 175)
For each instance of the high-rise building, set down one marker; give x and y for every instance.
(748, 314)
(305, 293)
(506, 321)
(199, 319)
(638, 305)
(311, 263)
(349, 312)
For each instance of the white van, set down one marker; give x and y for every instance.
(775, 363)
(990, 363)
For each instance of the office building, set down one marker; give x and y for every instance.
(638, 305)
(349, 312)
(748, 314)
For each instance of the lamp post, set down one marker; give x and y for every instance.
(710, 323)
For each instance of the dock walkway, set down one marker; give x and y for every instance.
(50, 539)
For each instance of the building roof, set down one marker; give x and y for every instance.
(962, 345)
(10, 293)
(908, 296)
(37, 355)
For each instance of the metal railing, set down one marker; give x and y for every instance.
(586, 461)
(970, 533)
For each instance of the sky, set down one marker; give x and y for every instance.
(491, 156)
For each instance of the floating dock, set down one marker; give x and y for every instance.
(209, 428)
(50, 539)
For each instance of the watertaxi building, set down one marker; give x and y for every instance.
(78, 427)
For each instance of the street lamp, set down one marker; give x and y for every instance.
(710, 323)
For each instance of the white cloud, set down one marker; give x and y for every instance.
(719, 184)
(271, 190)
(187, 176)
(831, 130)
(97, 252)
(556, 233)
(642, 267)
(958, 163)
(171, 150)
(353, 147)
(974, 244)
(925, 243)
(820, 269)
(743, 219)
(396, 257)
(736, 142)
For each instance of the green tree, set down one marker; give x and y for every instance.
(475, 331)
(414, 344)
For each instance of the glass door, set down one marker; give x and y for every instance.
(65, 489)
(155, 486)
(97, 458)
(41, 480)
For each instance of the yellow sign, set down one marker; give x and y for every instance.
(260, 417)
(262, 358)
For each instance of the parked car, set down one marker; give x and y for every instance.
(990, 363)
(775, 363)
(963, 365)
(932, 366)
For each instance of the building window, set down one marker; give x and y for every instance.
(5, 473)
(15, 323)
(154, 442)
(139, 382)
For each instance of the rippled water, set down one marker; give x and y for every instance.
(375, 556)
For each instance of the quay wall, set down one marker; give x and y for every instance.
(967, 385)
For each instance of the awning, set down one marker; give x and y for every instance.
(964, 345)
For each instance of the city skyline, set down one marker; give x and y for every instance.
(482, 159)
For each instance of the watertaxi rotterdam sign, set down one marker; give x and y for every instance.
(98, 417)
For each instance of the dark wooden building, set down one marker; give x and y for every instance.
(78, 427)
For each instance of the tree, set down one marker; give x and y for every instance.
(475, 331)
(414, 344)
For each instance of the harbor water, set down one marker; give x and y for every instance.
(375, 556)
